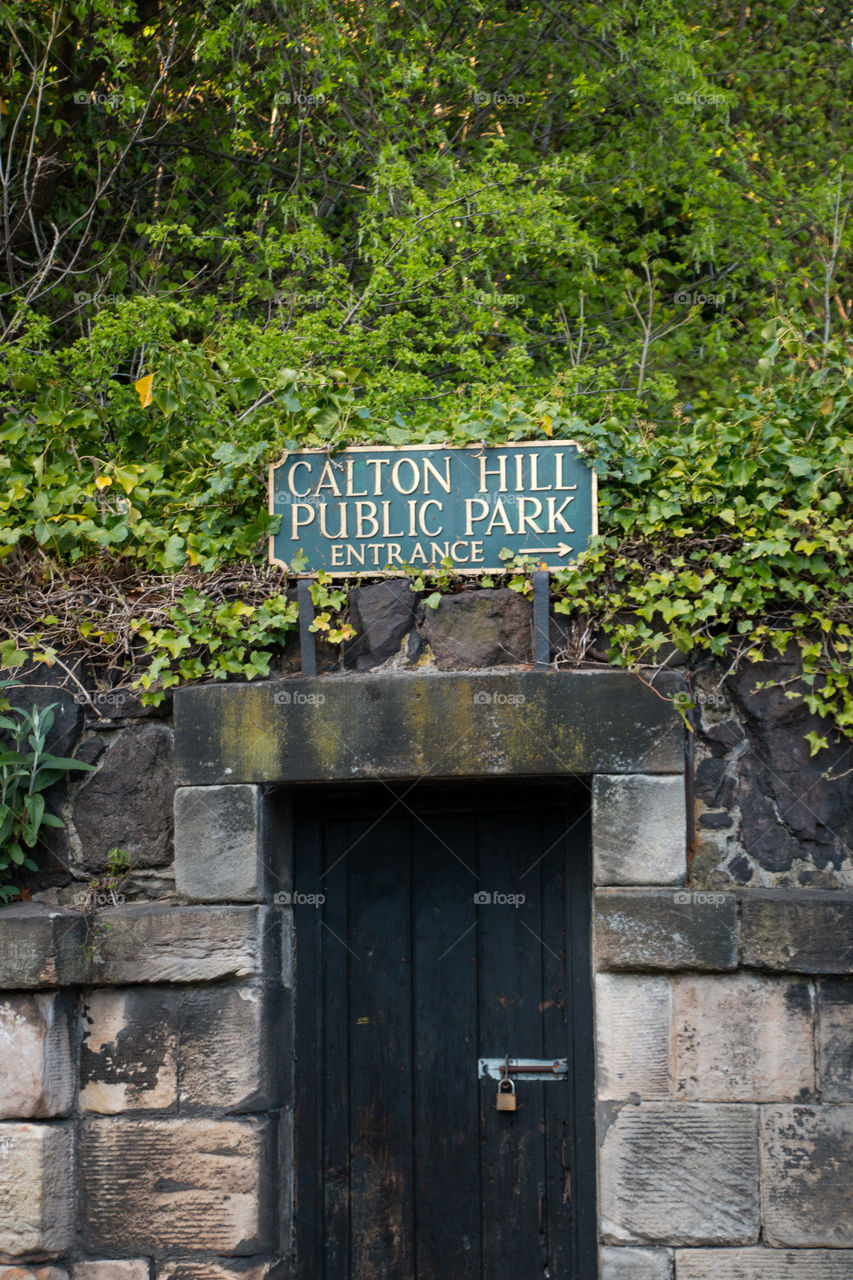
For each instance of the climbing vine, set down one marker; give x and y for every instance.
(727, 532)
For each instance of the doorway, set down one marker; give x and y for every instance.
(441, 929)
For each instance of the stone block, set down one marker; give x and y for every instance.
(232, 1049)
(109, 706)
(36, 1190)
(216, 1041)
(41, 946)
(398, 725)
(219, 846)
(635, 1264)
(382, 614)
(807, 1176)
(129, 1056)
(679, 1173)
(127, 802)
(189, 1185)
(476, 629)
(196, 1269)
(633, 1021)
(835, 1040)
(665, 929)
(154, 942)
(111, 1269)
(798, 931)
(638, 830)
(33, 1272)
(790, 810)
(763, 1264)
(744, 1038)
(42, 686)
(36, 1069)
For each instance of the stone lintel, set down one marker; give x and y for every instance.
(451, 725)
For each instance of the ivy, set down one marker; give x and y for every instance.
(212, 641)
(727, 532)
(732, 533)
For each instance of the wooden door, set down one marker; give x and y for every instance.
(405, 1170)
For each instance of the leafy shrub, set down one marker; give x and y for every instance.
(723, 531)
(26, 771)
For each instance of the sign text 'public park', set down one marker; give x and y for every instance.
(379, 510)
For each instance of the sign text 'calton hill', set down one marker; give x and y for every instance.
(378, 510)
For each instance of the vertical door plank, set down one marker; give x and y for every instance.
(381, 1050)
(512, 1168)
(584, 1223)
(556, 967)
(333, 993)
(308, 1114)
(447, 1164)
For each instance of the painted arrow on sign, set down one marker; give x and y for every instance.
(561, 549)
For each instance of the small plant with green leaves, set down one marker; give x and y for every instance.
(27, 769)
(331, 602)
(105, 891)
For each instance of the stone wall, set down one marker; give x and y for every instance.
(145, 1048)
(766, 813)
(724, 1055)
(143, 1077)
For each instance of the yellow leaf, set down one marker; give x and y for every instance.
(547, 424)
(827, 407)
(127, 479)
(143, 389)
(103, 482)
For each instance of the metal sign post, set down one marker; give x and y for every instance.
(307, 638)
(541, 618)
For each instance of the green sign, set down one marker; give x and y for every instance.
(378, 510)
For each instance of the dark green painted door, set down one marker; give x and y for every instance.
(405, 1170)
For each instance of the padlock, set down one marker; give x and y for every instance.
(506, 1095)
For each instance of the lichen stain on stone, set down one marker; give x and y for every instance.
(248, 733)
(331, 741)
(421, 716)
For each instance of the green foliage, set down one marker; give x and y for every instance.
(213, 641)
(732, 532)
(105, 891)
(118, 863)
(439, 204)
(26, 771)
(330, 600)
